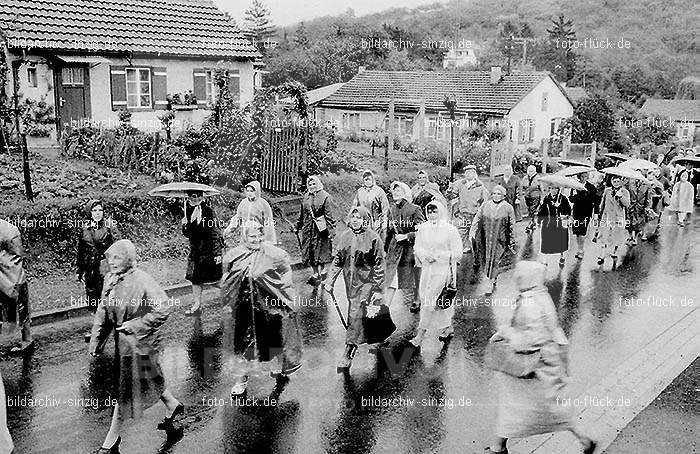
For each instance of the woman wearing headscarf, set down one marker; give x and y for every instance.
(533, 405)
(532, 191)
(401, 270)
(612, 221)
(585, 206)
(201, 226)
(317, 227)
(374, 199)
(96, 237)
(6, 445)
(438, 249)
(682, 198)
(14, 288)
(360, 256)
(257, 285)
(554, 214)
(426, 191)
(134, 308)
(492, 232)
(513, 190)
(253, 208)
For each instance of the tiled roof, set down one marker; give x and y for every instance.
(472, 89)
(317, 94)
(676, 109)
(168, 27)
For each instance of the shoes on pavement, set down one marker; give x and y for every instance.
(488, 450)
(591, 448)
(167, 423)
(415, 308)
(193, 313)
(346, 361)
(446, 336)
(579, 255)
(562, 262)
(23, 348)
(239, 388)
(113, 450)
(601, 260)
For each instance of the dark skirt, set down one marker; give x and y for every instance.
(202, 269)
(555, 239)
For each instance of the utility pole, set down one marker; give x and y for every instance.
(390, 141)
(523, 41)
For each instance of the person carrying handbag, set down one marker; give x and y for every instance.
(530, 358)
(438, 250)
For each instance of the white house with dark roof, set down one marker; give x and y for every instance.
(529, 105)
(93, 58)
(683, 114)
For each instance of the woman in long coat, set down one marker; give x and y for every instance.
(253, 208)
(360, 256)
(613, 219)
(682, 198)
(317, 227)
(401, 270)
(438, 249)
(15, 314)
(6, 445)
(532, 192)
(257, 285)
(554, 215)
(96, 237)
(640, 201)
(201, 227)
(532, 406)
(492, 232)
(133, 307)
(656, 205)
(374, 199)
(585, 206)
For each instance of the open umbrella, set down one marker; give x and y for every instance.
(574, 170)
(562, 181)
(695, 160)
(572, 162)
(617, 156)
(180, 189)
(639, 164)
(625, 172)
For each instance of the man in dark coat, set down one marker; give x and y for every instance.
(401, 270)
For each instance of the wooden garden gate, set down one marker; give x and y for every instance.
(284, 157)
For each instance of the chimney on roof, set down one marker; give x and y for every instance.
(361, 69)
(496, 75)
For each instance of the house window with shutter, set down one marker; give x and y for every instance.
(526, 130)
(210, 87)
(138, 87)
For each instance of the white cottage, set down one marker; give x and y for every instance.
(92, 59)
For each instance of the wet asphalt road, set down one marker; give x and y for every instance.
(443, 401)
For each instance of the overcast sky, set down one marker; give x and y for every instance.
(286, 12)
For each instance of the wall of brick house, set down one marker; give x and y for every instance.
(530, 107)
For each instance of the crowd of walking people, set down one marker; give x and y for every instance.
(412, 242)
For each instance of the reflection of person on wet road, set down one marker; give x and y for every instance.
(640, 201)
(257, 285)
(585, 205)
(535, 405)
(14, 288)
(492, 233)
(360, 256)
(682, 198)
(6, 445)
(554, 215)
(401, 270)
(317, 227)
(374, 199)
(252, 208)
(612, 221)
(134, 307)
(200, 226)
(438, 249)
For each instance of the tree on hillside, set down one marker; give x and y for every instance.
(257, 22)
(557, 55)
(505, 43)
(301, 38)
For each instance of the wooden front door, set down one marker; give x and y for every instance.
(73, 95)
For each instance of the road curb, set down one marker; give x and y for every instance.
(71, 312)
